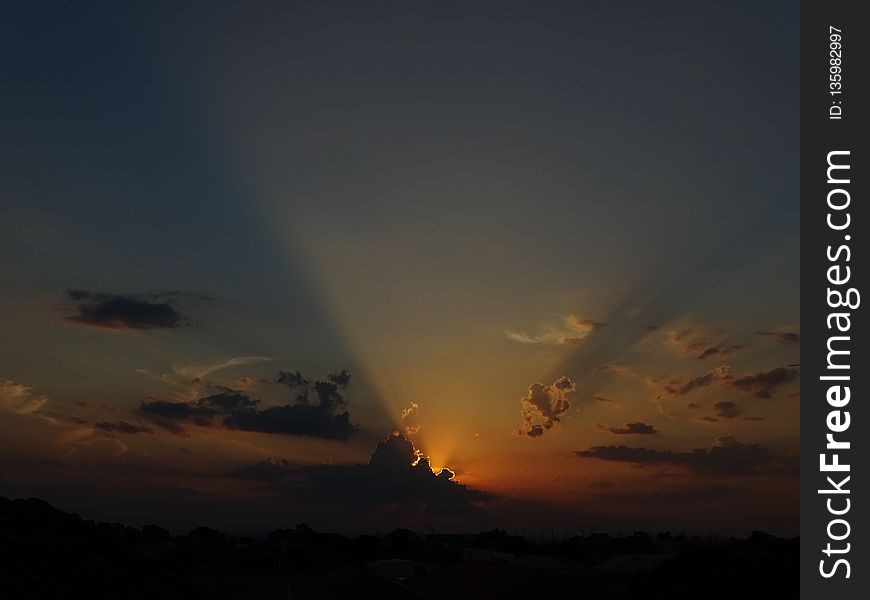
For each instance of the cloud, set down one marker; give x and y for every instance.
(692, 341)
(300, 419)
(200, 371)
(568, 330)
(408, 412)
(397, 473)
(234, 409)
(599, 398)
(682, 386)
(124, 311)
(727, 410)
(763, 385)
(340, 378)
(789, 338)
(20, 399)
(544, 406)
(193, 380)
(622, 370)
(122, 427)
(638, 427)
(727, 456)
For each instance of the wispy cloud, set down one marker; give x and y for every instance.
(189, 379)
(20, 399)
(192, 371)
(567, 330)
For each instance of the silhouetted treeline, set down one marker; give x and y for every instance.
(47, 553)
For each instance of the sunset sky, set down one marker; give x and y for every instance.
(553, 245)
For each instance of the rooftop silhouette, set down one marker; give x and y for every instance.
(48, 553)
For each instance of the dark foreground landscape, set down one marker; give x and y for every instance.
(47, 553)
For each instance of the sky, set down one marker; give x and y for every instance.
(427, 264)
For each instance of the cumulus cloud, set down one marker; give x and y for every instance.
(327, 417)
(568, 329)
(396, 473)
(637, 427)
(545, 405)
(125, 311)
(727, 456)
(407, 413)
(20, 399)
(340, 378)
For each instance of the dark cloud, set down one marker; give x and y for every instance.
(681, 387)
(293, 419)
(763, 385)
(727, 410)
(122, 427)
(789, 338)
(299, 386)
(638, 427)
(719, 351)
(691, 341)
(227, 401)
(340, 378)
(292, 380)
(161, 411)
(545, 405)
(233, 409)
(598, 398)
(124, 311)
(727, 456)
(396, 474)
